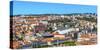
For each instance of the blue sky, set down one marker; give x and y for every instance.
(23, 7)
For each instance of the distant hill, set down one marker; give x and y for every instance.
(56, 14)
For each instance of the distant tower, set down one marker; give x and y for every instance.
(78, 38)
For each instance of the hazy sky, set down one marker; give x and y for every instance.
(24, 7)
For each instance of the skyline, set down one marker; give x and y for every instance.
(23, 7)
